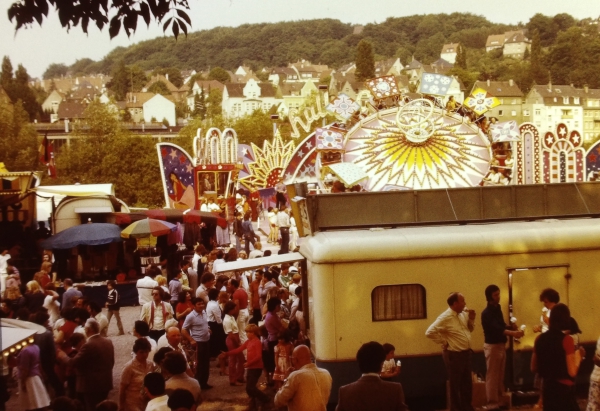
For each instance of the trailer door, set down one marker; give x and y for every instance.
(525, 286)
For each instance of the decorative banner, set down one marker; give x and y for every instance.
(302, 163)
(270, 162)
(435, 84)
(481, 101)
(505, 131)
(383, 87)
(330, 138)
(178, 176)
(343, 106)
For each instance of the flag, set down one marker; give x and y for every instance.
(434, 84)
(481, 101)
(505, 131)
(46, 152)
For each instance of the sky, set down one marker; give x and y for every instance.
(37, 47)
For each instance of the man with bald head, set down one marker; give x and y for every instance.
(306, 387)
(173, 341)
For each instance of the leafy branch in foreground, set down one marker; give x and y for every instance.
(116, 14)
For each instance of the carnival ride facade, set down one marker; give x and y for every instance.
(394, 141)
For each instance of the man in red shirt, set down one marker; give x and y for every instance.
(240, 298)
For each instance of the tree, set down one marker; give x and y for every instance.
(17, 89)
(219, 74)
(6, 75)
(365, 61)
(537, 69)
(55, 70)
(18, 139)
(461, 57)
(214, 103)
(126, 79)
(159, 87)
(124, 14)
(82, 66)
(173, 75)
(102, 152)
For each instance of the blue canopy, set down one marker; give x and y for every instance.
(84, 234)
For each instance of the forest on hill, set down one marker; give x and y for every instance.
(566, 49)
(325, 41)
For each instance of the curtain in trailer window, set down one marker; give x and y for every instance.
(398, 302)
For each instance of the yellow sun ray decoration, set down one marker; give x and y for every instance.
(418, 146)
(270, 162)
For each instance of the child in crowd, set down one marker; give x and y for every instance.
(253, 365)
(283, 357)
(113, 305)
(389, 369)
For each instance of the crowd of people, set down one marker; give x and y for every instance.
(252, 324)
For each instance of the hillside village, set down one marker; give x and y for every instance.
(281, 89)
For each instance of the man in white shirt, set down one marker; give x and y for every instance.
(156, 313)
(154, 387)
(220, 260)
(145, 285)
(283, 221)
(307, 388)
(452, 330)
(96, 312)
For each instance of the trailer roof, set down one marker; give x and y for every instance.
(452, 241)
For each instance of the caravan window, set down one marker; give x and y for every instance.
(398, 302)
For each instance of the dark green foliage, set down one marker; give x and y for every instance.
(18, 90)
(159, 88)
(365, 61)
(461, 57)
(106, 152)
(173, 74)
(219, 74)
(55, 70)
(18, 139)
(126, 79)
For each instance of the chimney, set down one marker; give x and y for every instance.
(488, 82)
(586, 88)
(511, 82)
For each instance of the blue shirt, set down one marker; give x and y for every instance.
(197, 325)
(175, 287)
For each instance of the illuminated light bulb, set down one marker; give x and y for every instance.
(6, 353)
(12, 350)
(24, 343)
(18, 346)
(31, 340)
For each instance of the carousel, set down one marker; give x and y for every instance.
(392, 141)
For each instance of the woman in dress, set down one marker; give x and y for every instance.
(33, 394)
(184, 306)
(236, 362)
(283, 357)
(594, 395)
(132, 379)
(557, 362)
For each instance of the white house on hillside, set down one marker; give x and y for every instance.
(449, 52)
(159, 108)
(241, 99)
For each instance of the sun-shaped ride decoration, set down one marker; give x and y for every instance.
(418, 146)
(270, 162)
